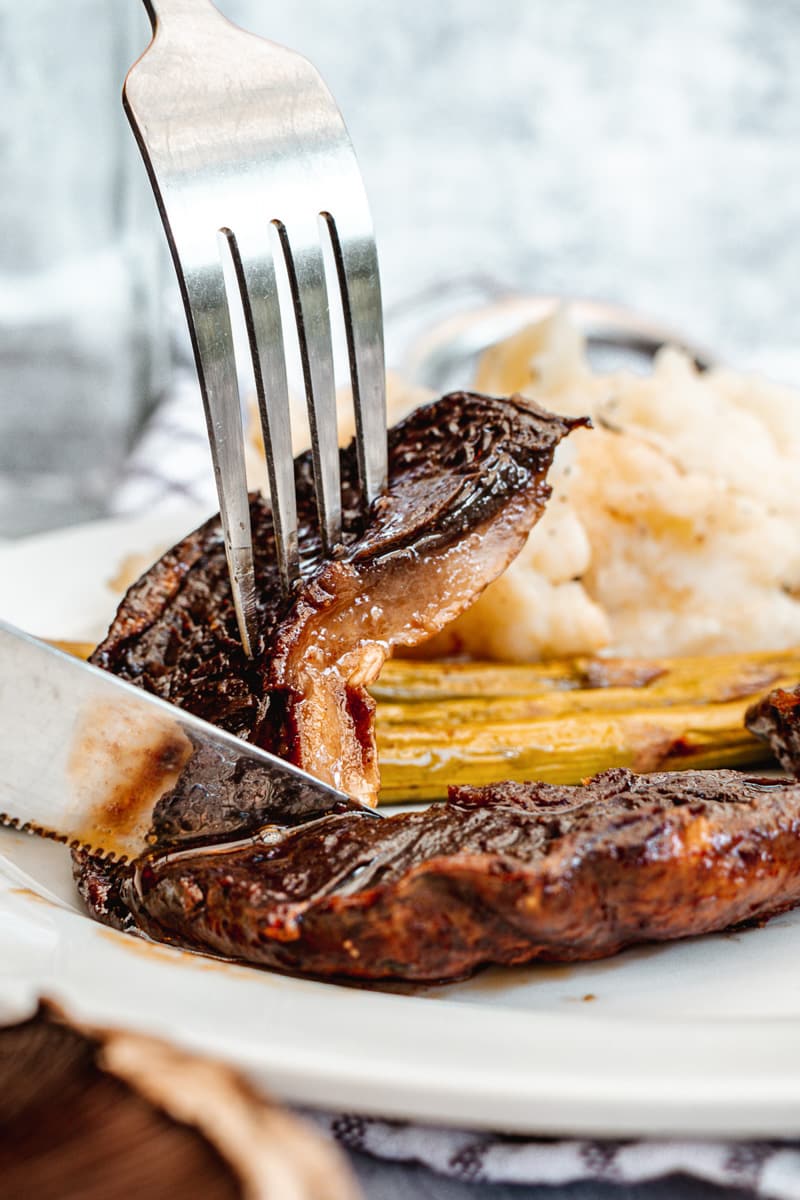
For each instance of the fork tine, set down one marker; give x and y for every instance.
(228, 124)
(356, 260)
(306, 270)
(212, 341)
(255, 273)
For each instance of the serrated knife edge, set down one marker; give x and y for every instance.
(54, 784)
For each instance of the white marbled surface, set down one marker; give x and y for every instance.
(646, 153)
(642, 153)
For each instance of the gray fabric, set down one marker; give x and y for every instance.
(765, 1169)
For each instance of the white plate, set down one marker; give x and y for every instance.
(57, 584)
(700, 1037)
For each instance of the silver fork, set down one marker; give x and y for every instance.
(241, 137)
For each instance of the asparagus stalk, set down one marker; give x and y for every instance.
(419, 761)
(718, 676)
(78, 649)
(694, 681)
(441, 723)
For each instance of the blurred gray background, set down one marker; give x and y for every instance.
(646, 153)
(637, 152)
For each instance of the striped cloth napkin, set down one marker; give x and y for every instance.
(765, 1169)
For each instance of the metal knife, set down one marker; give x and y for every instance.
(86, 758)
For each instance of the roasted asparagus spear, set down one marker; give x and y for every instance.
(441, 723)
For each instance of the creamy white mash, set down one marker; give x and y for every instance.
(674, 525)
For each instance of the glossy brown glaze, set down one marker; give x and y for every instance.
(466, 484)
(776, 720)
(505, 874)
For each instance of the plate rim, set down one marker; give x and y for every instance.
(730, 1077)
(326, 1046)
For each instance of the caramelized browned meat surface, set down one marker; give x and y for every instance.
(776, 719)
(467, 483)
(504, 874)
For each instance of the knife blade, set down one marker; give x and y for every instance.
(88, 759)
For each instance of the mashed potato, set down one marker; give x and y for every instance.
(674, 525)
